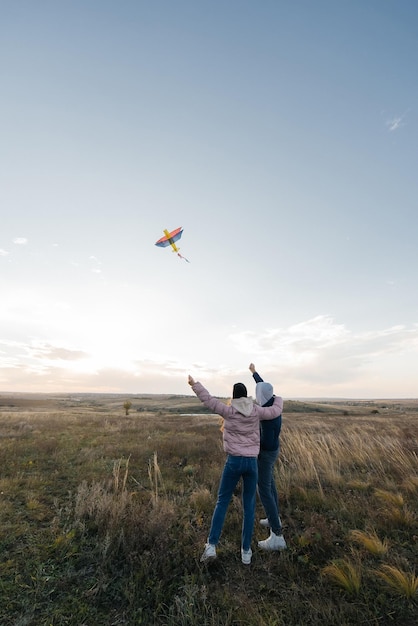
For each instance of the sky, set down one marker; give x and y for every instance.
(281, 135)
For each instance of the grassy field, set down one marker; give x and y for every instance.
(104, 515)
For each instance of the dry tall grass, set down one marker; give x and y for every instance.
(370, 541)
(345, 574)
(402, 583)
(104, 516)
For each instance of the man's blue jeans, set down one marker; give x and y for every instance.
(236, 467)
(267, 488)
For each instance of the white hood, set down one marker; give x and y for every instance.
(243, 405)
(263, 393)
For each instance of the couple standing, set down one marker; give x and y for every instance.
(251, 440)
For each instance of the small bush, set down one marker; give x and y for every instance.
(370, 541)
(402, 583)
(345, 574)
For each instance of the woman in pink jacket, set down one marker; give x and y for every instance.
(241, 440)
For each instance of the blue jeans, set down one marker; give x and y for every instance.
(267, 488)
(236, 467)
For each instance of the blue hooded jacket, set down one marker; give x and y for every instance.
(269, 429)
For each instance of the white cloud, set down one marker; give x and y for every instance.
(20, 241)
(55, 353)
(395, 123)
(296, 344)
(320, 357)
(96, 265)
(36, 353)
(321, 333)
(3, 252)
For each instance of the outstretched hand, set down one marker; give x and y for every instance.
(191, 380)
(252, 368)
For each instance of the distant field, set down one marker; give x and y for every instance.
(104, 515)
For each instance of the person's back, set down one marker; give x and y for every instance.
(241, 439)
(241, 433)
(269, 452)
(269, 429)
(241, 429)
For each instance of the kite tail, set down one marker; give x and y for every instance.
(183, 257)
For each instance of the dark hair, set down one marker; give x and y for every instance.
(239, 391)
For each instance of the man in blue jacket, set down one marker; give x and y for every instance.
(269, 452)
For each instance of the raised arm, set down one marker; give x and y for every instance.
(215, 405)
(255, 374)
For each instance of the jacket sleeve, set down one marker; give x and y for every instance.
(270, 412)
(257, 378)
(215, 405)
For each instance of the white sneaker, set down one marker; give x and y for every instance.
(273, 543)
(209, 553)
(246, 556)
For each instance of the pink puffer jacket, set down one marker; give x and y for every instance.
(241, 434)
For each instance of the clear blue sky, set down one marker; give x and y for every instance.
(282, 136)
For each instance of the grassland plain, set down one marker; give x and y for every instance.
(104, 515)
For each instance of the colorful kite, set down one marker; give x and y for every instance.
(170, 239)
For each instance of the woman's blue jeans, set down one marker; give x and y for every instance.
(236, 467)
(267, 488)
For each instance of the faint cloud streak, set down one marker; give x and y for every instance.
(54, 353)
(96, 265)
(395, 123)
